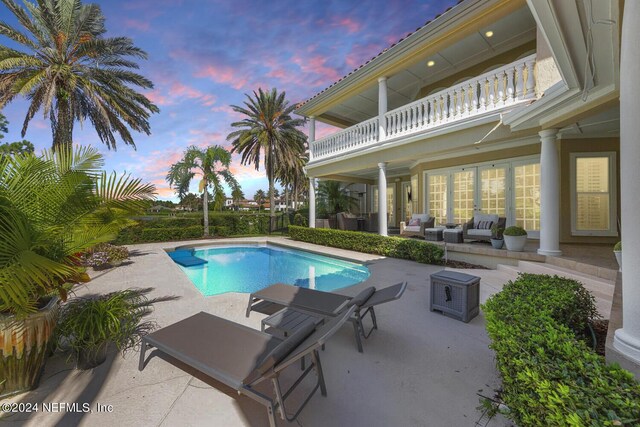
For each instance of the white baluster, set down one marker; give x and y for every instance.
(432, 111)
(531, 83)
(468, 90)
(483, 94)
(501, 91)
(520, 81)
(492, 92)
(511, 72)
(441, 108)
(459, 98)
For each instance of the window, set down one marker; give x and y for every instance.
(415, 196)
(437, 188)
(593, 207)
(527, 196)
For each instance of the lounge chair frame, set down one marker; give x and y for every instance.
(309, 347)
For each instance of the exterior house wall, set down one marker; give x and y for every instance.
(547, 73)
(586, 145)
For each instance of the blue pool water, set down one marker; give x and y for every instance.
(251, 268)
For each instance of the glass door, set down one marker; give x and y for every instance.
(391, 205)
(406, 201)
(464, 195)
(493, 189)
(437, 195)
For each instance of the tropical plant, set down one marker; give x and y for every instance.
(334, 197)
(52, 207)
(67, 68)
(212, 164)
(259, 198)
(496, 232)
(237, 195)
(11, 148)
(105, 254)
(268, 131)
(191, 201)
(87, 325)
(618, 246)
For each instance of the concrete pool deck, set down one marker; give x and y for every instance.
(419, 369)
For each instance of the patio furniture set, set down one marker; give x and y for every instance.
(477, 228)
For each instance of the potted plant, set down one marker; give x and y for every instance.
(515, 238)
(52, 207)
(496, 236)
(617, 251)
(88, 325)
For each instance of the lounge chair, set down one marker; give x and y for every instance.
(424, 221)
(328, 304)
(241, 357)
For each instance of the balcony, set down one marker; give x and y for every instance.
(498, 90)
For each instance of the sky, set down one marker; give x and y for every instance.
(205, 55)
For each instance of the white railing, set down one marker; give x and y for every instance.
(360, 135)
(506, 86)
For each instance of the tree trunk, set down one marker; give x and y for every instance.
(272, 200)
(63, 125)
(286, 198)
(205, 208)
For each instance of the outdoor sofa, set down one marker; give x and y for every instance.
(479, 227)
(423, 221)
(241, 357)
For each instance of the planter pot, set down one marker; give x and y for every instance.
(618, 255)
(25, 346)
(515, 243)
(497, 243)
(89, 359)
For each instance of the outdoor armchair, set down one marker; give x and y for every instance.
(426, 221)
(479, 227)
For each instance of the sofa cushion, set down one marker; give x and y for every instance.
(478, 232)
(421, 217)
(414, 221)
(414, 228)
(484, 217)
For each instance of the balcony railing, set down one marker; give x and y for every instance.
(498, 89)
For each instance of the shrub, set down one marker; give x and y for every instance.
(514, 230)
(104, 254)
(299, 220)
(394, 247)
(549, 376)
(618, 246)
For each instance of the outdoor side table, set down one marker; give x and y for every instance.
(453, 235)
(456, 294)
(433, 234)
(288, 320)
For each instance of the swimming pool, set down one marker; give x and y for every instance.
(251, 268)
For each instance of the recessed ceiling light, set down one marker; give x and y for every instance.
(489, 33)
(431, 63)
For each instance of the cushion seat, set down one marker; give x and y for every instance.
(478, 232)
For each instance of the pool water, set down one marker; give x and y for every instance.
(251, 268)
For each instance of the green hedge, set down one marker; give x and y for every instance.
(394, 247)
(549, 375)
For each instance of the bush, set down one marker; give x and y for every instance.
(140, 234)
(104, 254)
(618, 246)
(514, 230)
(549, 376)
(299, 220)
(394, 247)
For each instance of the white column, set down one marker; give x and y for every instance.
(312, 202)
(627, 339)
(382, 199)
(312, 128)
(382, 108)
(549, 194)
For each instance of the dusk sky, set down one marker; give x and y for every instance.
(204, 55)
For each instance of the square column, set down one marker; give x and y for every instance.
(627, 339)
(549, 194)
(312, 202)
(382, 199)
(382, 108)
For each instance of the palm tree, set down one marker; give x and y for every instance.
(259, 198)
(268, 131)
(237, 195)
(70, 71)
(212, 163)
(335, 197)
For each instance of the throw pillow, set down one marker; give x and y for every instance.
(484, 225)
(414, 222)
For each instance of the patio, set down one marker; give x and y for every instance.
(419, 368)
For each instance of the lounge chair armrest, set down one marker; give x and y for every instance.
(467, 226)
(402, 226)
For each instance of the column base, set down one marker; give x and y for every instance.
(549, 252)
(627, 345)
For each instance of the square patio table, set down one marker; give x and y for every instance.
(288, 320)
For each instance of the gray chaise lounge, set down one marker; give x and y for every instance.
(241, 357)
(328, 304)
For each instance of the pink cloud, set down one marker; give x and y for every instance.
(351, 25)
(158, 98)
(223, 74)
(136, 25)
(316, 64)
